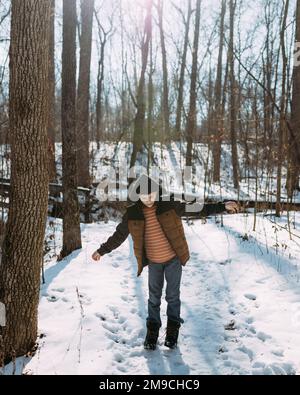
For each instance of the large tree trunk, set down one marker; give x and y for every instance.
(233, 133)
(51, 113)
(71, 216)
(192, 116)
(83, 138)
(22, 251)
(295, 155)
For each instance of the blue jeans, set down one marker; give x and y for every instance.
(172, 271)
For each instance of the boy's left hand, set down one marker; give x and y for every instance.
(232, 207)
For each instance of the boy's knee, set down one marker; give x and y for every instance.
(155, 298)
(173, 297)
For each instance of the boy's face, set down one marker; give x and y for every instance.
(148, 200)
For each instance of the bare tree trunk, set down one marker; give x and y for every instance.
(71, 217)
(100, 82)
(192, 116)
(150, 109)
(233, 134)
(282, 126)
(268, 73)
(182, 73)
(166, 108)
(218, 102)
(22, 251)
(51, 113)
(99, 104)
(256, 116)
(83, 99)
(139, 121)
(295, 159)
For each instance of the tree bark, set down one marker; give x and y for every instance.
(150, 109)
(51, 113)
(218, 121)
(295, 117)
(182, 73)
(139, 121)
(166, 108)
(22, 251)
(83, 138)
(233, 133)
(100, 89)
(103, 38)
(71, 215)
(192, 116)
(282, 125)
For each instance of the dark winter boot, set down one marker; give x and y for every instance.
(152, 336)
(172, 334)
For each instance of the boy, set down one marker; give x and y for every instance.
(159, 242)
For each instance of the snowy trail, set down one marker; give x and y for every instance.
(241, 315)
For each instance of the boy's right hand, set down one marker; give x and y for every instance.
(96, 256)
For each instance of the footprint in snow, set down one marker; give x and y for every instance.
(84, 299)
(278, 353)
(263, 336)
(111, 327)
(137, 353)
(126, 298)
(262, 280)
(101, 316)
(117, 317)
(122, 369)
(278, 369)
(247, 351)
(252, 329)
(124, 283)
(115, 338)
(232, 311)
(224, 263)
(250, 296)
(115, 264)
(231, 326)
(58, 290)
(114, 310)
(66, 300)
(52, 298)
(223, 349)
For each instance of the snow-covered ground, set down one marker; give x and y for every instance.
(240, 291)
(240, 302)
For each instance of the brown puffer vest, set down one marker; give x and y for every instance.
(169, 215)
(171, 225)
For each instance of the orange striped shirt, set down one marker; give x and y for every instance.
(158, 248)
